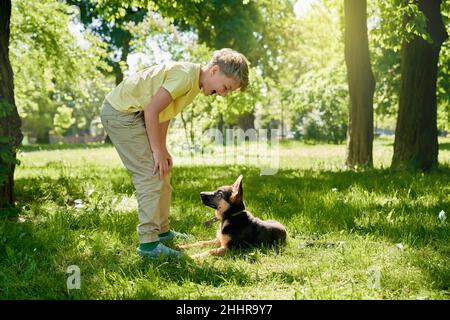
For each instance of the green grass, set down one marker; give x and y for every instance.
(387, 220)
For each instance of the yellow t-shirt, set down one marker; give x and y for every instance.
(134, 93)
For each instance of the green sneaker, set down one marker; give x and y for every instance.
(170, 235)
(160, 251)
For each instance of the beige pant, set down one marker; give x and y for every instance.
(129, 137)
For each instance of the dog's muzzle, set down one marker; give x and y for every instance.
(208, 199)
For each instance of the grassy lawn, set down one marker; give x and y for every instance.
(78, 208)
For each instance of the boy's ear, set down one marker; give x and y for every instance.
(237, 187)
(214, 69)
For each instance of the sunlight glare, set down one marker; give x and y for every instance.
(302, 7)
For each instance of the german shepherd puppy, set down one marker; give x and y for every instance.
(238, 227)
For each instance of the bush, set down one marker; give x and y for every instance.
(317, 126)
(321, 105)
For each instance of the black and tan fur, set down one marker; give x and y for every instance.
(238, 227)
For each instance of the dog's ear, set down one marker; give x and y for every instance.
(237, 189)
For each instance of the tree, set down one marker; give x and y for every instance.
(232, 24)
(112, 21)
(52, 69)
(317, 89)
(229, 23)
(109, 21)
(387, 31)
(361, 84)
(416, 144)
(10, 134)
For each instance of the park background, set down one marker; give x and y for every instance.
(359, 92)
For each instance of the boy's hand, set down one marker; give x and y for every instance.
(163, 162)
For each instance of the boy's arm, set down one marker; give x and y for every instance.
(163, 127)
(157, 132)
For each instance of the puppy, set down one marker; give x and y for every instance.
(238, 227)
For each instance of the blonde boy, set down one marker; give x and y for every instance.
(136, 116)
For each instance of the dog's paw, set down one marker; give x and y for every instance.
(181, 246)
(199, 256)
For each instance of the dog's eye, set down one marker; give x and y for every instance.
(219, 194)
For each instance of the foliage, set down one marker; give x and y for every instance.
(63, 119)
(297, 62)
(278, 41)
(110, 22)
(51, 68)
(390, 23)
(229, 23)
(241, 103)
(203, 112)
(319, 96)
(321, 104)
(443, 80)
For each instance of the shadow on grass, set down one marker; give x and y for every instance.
(28, 266)
(326, 201)
(306, 201)
(393, 206)
(201, 273)
(223, 271)
(325, 198)
(64, 146)
(444, 146)
(436, 265)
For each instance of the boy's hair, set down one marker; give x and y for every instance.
(232, 64)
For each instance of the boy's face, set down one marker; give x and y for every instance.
(218, 83)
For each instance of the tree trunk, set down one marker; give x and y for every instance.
(221, 123)
(118, 75)
(246, 121)
(361, 84)
(221, 128)
(10, 134)
(123, 58)
(186, 131)
(43, 136)
(416, 143)
(117, 69)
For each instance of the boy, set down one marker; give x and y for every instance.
(136, 116)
